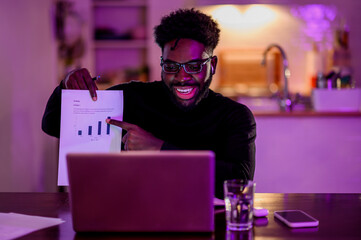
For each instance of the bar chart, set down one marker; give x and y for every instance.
(98, 130)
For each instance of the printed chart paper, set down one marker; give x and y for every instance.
(14, 225)
(83, 128)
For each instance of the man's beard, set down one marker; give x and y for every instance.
(203, 93)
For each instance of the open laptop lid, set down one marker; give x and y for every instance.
(142, 191)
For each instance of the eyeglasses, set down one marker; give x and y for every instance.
(191, 67)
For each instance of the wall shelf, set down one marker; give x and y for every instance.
(120, 3)
(120, 44)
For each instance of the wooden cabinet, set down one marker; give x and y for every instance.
(120, 41)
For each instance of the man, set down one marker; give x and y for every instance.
(179, 112)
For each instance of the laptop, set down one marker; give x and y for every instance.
(142, 191)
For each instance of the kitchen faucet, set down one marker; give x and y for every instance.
(285, 102)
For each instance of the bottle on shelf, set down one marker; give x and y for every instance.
(342, 58)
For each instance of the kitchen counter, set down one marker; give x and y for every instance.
(305, 114)
(307, 151)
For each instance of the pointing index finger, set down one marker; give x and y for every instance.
(124, 125)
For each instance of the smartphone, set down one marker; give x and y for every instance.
(296, 218)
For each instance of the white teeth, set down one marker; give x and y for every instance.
(184, 91)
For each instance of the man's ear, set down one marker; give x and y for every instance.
(214, 61)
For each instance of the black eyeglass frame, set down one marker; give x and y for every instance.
(203, 62)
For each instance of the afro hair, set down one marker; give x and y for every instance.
(187, 23)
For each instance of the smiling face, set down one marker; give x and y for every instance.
(187, 90)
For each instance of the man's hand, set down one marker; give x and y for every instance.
(137, 138)
(81, 79)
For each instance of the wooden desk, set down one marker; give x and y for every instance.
(339, 216)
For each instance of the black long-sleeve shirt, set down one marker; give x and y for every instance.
(217, 123)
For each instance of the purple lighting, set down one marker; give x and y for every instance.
(318, 19)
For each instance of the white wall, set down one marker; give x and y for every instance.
(5, 102)
(28, 75)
